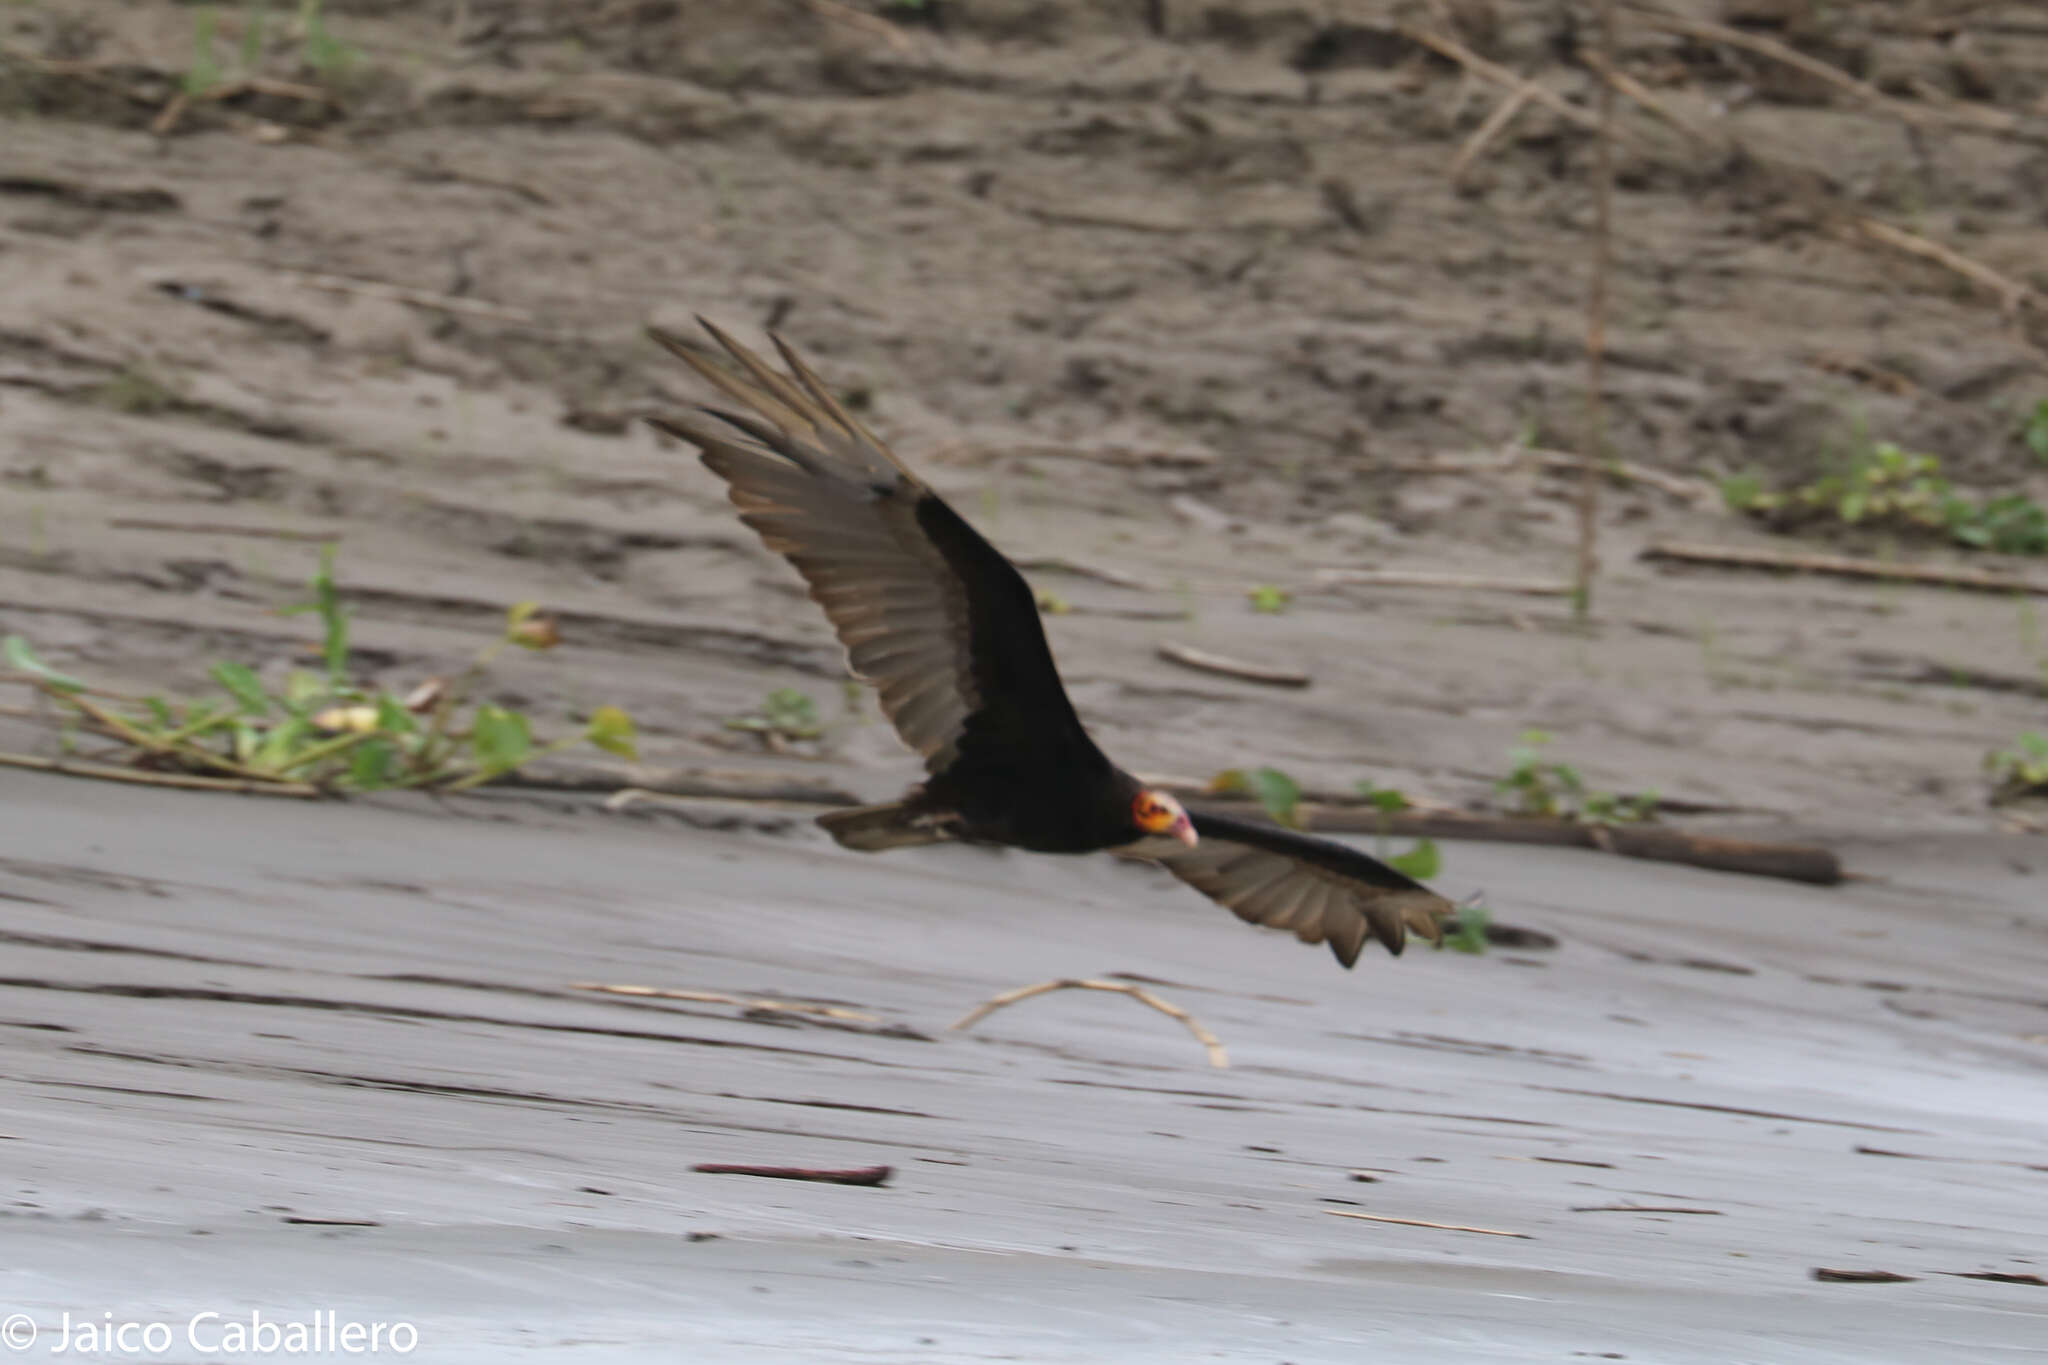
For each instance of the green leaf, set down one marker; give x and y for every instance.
(23, 659)
(303, 689)
(1468, 933)
(519, 613)
(500, 738)
(392, 717)
(281, 743)
(785, 711)
(160, 711)
(333, 616)
(611, 730)
(1420, 862)
(1742, 492)
(244, 686)
(2036, 430)
(1277, 793)
(370, 764)
(1386, 800)
(1270, 599)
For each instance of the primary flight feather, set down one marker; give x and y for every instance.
(947, 632)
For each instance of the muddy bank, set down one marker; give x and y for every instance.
(1184, 300)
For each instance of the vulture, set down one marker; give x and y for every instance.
(947, 632)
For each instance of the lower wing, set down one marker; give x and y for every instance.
(1323, 892)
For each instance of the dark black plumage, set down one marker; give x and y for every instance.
(947, 631)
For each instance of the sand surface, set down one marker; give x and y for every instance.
(223, 1015)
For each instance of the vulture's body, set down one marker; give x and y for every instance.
(947, 632)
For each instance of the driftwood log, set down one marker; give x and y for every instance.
(1840, 566)
(1657, 843)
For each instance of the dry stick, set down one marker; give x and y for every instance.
(1963, 117)
(220, 528)
(1203, 661)
(261, 85)
(1209, 1041)
(1482, 137)
(128, 734)
(859, 1175)
(721, 998)
(1399, 578)
(1596, 332)
(1424, 1223)
(1652, 843)
(1842, 566)
(1058, 564)
(1635, 90)
(1642, 1208)
(727, 784)
(1884, 233)
(2012, 295)
(188, 781)
(1500, 75)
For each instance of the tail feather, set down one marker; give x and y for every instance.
(870, 829)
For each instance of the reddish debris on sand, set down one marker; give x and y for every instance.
(860, 1175)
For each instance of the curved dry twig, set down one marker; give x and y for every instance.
(1209, 1041)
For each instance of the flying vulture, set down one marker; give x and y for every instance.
(947, 632)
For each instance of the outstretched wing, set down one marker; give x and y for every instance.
(1323, 892)
(932, 615)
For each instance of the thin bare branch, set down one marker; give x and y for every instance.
(1423, 1223)
(1588, 562)
(752, 1002)
(1187, 656)
(1209, 1041)
(142, 777)
(1842, 566)
(1482, 137)
(1400, 578)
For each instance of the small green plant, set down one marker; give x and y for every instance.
(321, 730)
(1422, 860)
(1467, 933)
(1540, 787)
(1551, 790)
(2034, 431)
(783, 715)
(203, 72)
(1616, 808)
(1883, 485)
(1277, 794)
(1743, 492)
(327, 57)
(323, 53)
(134, 391)
(2021, 770)
(1269, 599)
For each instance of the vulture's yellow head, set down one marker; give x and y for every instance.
(1160, 815)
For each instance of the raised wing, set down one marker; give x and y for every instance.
(1323, 892)
(942, 625)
